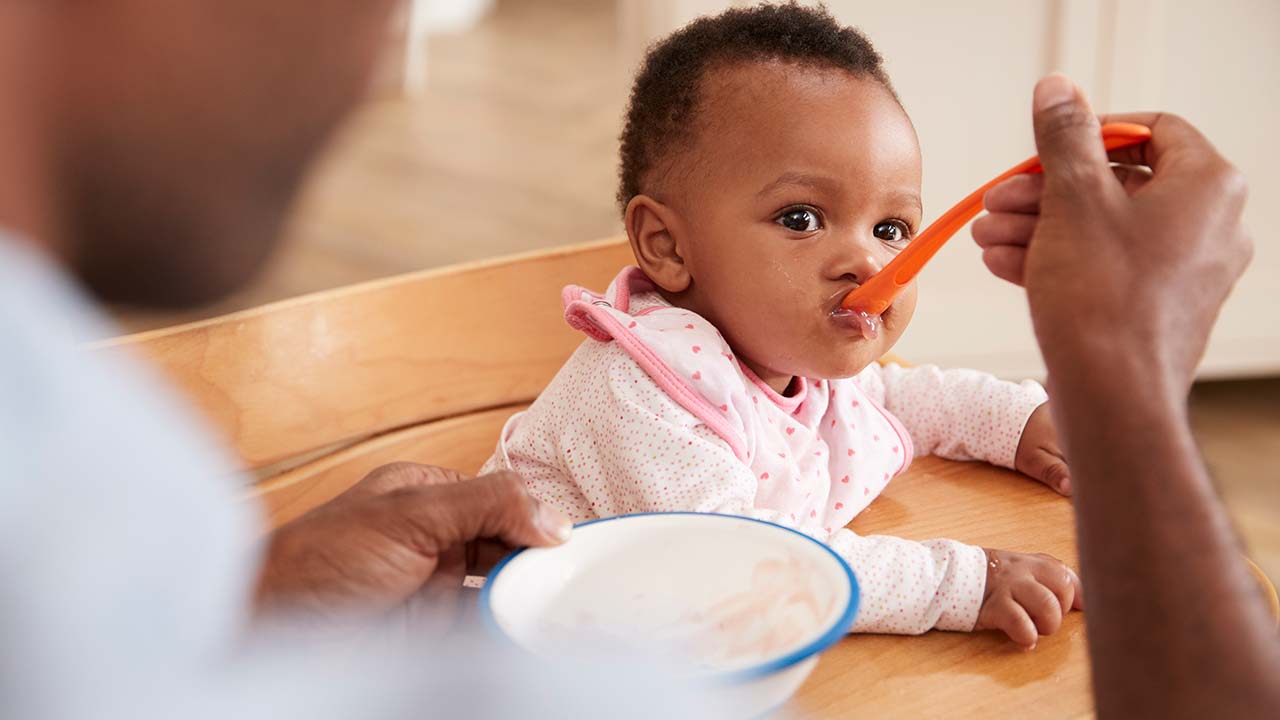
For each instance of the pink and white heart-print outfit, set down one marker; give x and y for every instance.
(655, 413)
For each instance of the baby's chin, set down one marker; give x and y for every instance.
(838, 367)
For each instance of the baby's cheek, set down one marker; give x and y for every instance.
(894, 323)
(763, 337)
(896, 319)
(885, 343)
(775, 326)
(905, 306)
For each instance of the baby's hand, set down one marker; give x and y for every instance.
(1039, 454)
(1027, 595)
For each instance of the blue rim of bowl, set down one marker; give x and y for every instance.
(838, 629)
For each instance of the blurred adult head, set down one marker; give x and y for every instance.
(165, 140)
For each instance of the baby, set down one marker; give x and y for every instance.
(768, 168)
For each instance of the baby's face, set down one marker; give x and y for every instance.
(806, 182)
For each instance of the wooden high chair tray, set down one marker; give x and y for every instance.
(943, 674)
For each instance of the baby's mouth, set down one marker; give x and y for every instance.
(865, 323)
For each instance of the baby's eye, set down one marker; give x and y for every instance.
(800, 220)
(892, 231)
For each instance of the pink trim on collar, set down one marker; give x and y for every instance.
(604, 326)
(591, 313)
(790, 404)
(622, 287)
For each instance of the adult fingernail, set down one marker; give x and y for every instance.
(1053, 89)
(554, 523)
(1064, 487)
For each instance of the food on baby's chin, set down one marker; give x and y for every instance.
(780, 611)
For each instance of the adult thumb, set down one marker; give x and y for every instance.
(1068, 135)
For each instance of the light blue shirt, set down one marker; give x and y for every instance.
(127, 561)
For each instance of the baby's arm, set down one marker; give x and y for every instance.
(912, 587)
(956, 414)
(625, 446)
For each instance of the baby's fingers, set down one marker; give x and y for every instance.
(1047, 467)
(1063, 582)
(1042, 605)
(1056, 475)
(1012, 618)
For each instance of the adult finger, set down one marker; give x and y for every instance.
(1022, 193)
(496, 507)
(399, 475)
(1041, 604)
(1172, 139)
(1018, 194)
(1004, 229)
(1006, 262)
(1068, 137)
(484, 554)
(1132, 177)
(1183, 158)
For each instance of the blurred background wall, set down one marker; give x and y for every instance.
(493, 130)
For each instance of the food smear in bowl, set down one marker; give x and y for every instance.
(784, 605)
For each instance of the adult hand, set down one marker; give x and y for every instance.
(1125, 274)
(1129, 264)
(400, 539)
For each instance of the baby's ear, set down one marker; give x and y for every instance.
(653, 230)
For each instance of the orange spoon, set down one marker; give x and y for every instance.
(875, 295)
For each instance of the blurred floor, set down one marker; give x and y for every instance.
(1237, 424)
(512, 147)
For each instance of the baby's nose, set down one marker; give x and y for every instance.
(859, 263)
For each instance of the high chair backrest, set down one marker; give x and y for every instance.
(314, 392)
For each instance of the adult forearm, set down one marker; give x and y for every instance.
(1176, 625)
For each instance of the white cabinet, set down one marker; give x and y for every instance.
(965, 73)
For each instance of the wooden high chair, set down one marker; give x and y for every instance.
(314, 392)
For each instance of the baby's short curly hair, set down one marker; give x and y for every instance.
(664, 98)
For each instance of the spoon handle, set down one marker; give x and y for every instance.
(880, 290)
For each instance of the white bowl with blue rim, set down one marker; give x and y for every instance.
(742, 604)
